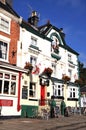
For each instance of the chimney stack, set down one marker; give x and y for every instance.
(3, 1)
(9, 2)
(33, 20)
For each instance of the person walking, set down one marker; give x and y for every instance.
(52, 105)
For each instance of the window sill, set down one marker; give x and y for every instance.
(72, 99)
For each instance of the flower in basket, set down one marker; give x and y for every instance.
(78, 81)
(48, 71)
(28, 65)
(65, 78)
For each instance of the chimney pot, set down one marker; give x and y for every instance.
(3, 1)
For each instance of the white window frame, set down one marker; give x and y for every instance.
(58, 89)
(32, 90)
(9, 80)
(33, 41)
(5, 23)
(33, 60)
(70, 73)
(7, 41)
(72, 91)
(54, 69)
(69, 57)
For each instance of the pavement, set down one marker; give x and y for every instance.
(73, 122)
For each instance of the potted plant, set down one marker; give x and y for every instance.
(28, 65)
(78, 81)
(65, 78)
(48, 71)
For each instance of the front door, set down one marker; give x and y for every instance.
(42, 95)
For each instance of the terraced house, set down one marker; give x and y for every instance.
(36, 62)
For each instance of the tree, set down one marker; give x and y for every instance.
(82, 74)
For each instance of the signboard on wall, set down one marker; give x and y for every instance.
(4, 102)
(44, 82)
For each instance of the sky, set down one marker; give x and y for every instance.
(67, 14)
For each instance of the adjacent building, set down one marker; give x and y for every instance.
(10, 74)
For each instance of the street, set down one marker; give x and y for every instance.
(74, 122)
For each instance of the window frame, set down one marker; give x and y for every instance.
(31, 60)
(54, 69)
(6, 79)
(58, 89)
(73, 92)
(7, 41)
(33, 41)
(4, 50)
(32, 89)
(69, 57)
(2, 25)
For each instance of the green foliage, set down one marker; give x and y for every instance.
(82, 74)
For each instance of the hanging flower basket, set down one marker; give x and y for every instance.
(48, 71)
(28, 65)
(78, 81)
(66, 78)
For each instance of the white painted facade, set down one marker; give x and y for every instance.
(66, 65)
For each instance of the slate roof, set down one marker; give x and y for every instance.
(83, 89)
(9, 9)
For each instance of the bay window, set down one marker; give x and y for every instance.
(8, 83)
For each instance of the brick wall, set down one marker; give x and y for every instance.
(14, 36)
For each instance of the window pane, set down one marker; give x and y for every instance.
(73, 94)
(3, 50)
(7, 76)
(1, 75)
(32, 90)
(70, 94)
(0, 86)
(33, 60)
(4, 25)
(59, 93)
(13, 88)
(6, 87)
(13, 77)
(33, 41)
(24, 92)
